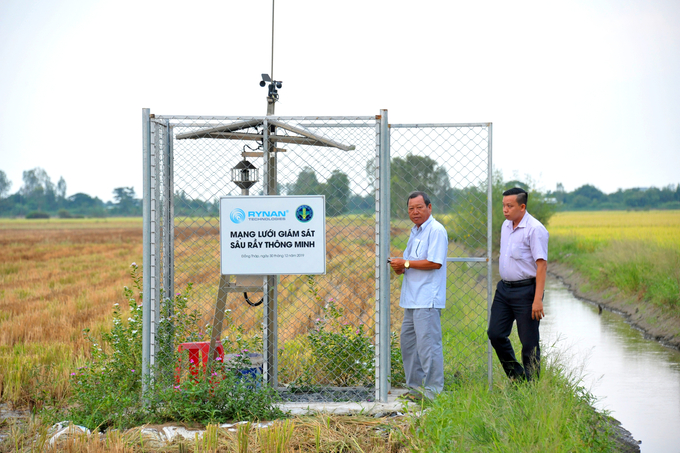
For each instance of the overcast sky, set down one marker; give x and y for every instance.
(579, 92)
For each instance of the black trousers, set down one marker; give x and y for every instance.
(514, 304)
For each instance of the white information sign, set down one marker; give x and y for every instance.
(273, 235)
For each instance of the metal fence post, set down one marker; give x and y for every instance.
(489, 267)
(382, 206)
(146, 260)
(155, 220)
(167, 273)
(271, 286)
(168, 215)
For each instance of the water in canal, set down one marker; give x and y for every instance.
(636, 379)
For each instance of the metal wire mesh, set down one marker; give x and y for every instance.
(451, 163)
(325, 325)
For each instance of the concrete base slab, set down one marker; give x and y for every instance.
(377, 409)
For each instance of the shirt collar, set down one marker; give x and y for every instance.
(425, 223)
(524, 221)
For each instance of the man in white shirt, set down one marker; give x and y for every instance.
(423, 296)
(523, 264)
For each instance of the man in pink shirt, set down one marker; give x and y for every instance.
(523, 265)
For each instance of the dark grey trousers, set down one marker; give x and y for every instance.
(422, 351)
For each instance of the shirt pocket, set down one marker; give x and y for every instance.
(519, 250)
(418, 249)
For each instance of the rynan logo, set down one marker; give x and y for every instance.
(267, 215)
(237, 215)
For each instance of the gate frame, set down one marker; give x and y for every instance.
(489, 226)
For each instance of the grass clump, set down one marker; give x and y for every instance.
(551, 414)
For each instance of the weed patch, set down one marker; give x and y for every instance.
(107, 392)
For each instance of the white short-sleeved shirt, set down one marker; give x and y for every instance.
(421, 288)
(521, 247)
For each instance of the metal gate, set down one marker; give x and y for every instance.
(323, 337)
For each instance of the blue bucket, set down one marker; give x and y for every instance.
(252, 373)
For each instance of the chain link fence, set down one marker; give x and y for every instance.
(318, 337)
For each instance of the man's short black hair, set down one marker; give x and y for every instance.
(416, 194)
(522, 195)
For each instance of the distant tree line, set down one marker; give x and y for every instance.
(39, 197)
(590, 198)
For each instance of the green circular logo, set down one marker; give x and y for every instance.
(304, 213)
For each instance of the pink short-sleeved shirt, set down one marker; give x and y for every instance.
(521, 247)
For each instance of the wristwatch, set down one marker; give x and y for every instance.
(407, 264)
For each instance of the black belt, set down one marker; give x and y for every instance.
(519, 283)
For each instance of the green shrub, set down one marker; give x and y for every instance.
(37, 215)
(341, 354)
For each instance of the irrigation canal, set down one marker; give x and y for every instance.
(636, 379)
